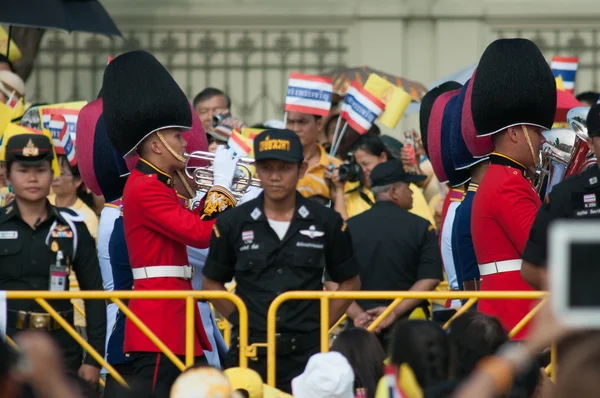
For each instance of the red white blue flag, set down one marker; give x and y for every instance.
(360, 108)
(57, 124)
(566, 68)
(309, 94)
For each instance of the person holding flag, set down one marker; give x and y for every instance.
(307, 103)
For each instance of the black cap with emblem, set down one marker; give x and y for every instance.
(390, 172)
(593, 121)
(278, 144)
(31, 149)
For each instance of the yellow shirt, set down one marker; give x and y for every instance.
(355, 204)
(91, 219)
(313, 183)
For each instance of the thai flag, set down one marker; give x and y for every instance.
(360, 108)
(61, 139)
(566, 67)
(309, 94)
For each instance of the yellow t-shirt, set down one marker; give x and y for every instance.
(355, 204)
(313, 183)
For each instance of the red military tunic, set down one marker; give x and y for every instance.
(157, 230)
(503, 212)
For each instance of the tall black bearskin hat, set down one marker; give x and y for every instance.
(513, 86)
(141, 98)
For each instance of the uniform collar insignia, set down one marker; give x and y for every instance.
(9, 210)
(256, 213)
(593, 180)
(303, 211)
(148, 168)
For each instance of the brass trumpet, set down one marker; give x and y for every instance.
(203, 175)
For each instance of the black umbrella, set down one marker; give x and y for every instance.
(68, 15)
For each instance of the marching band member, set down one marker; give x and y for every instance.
(513, 101)
(146, 112)
(435, 131)
(463, 137)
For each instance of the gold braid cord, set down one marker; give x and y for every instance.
(189, 189)
(217, 200)
(171, 151)
(535, 160)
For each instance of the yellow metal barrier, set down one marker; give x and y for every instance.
(397, 296)
(41, 296)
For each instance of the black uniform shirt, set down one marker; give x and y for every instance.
(576, 197)
(394, 249)
(245, 246)
(26, 255)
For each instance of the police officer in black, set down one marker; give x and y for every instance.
(39, 243)
(275, 243)
(576, 197)
(396, 250)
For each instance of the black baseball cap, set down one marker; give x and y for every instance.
(278, 144)
(391, 172)
(31, 149)
(593, 121)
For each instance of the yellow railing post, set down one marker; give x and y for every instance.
(384, 314)
(91, 351)
(460, 311)
(324, 324)
(397, 296)
(519, 326)
(146, 330)
(190, 331)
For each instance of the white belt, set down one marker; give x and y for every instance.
(498, 267)
(164, 271)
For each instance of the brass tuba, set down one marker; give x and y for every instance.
(565, 152)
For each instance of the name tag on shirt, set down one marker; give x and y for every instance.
(9, 234)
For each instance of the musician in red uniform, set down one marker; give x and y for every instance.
(146, 112)
(513, 100)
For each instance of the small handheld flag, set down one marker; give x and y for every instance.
(242, 146)
(566, 68)
(360, 108)
(309, 94)
(395, 99)
(61, 139)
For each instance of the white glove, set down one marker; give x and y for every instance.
(224, 167)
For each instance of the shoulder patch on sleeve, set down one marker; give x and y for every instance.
(216, 231)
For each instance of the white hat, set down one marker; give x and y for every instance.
(10, 82)
(326, 375)
(203, 382)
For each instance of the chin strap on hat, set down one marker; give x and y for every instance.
(171, 151)
(537, 170)
(189, 189)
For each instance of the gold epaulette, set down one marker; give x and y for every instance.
(217, 200)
